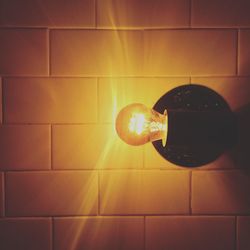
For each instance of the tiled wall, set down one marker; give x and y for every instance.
(67, 182)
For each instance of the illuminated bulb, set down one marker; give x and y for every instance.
(136, 125)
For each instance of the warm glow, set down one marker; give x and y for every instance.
(136, 125)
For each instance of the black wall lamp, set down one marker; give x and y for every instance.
(190, 126)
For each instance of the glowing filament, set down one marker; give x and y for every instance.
(138, 123)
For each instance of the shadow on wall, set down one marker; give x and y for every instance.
(227, 192)
(237, 183)
(237, 93)
(240, 155)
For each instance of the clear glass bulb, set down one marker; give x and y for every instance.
(136, 125)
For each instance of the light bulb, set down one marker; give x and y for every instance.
(136, 125)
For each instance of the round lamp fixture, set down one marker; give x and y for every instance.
(190, 126)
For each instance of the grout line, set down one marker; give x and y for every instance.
(88, 170)
(99, 195)
(114, 76)
(143, 157)
(3, 101)
(49, 52)
(236, 233)
(52, 234)
(1, 87)
(98, 100)
(54, 217)
(118, 169)
(4, 194)
(144, 233)
(135, 28)
(121, 76)
(1, 104)
(156, 28)
(51, 148)
(237, 52)
(221, 76)
(49, 77)
(31, 171)
(190, 13)
(183, 169)
(161, 215)
(56, 124)
(190, 193)
(96, 12)
(121, 215)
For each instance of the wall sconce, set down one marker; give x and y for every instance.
(190, 126)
